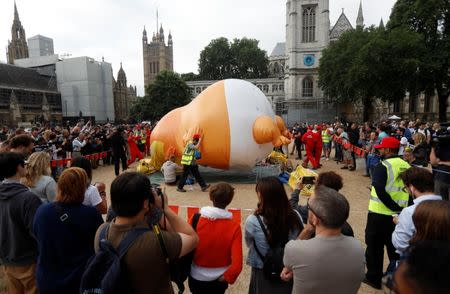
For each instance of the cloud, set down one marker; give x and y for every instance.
(113, 28)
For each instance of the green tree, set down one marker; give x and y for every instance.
(249, 61)
(168, 92)
(338, 70)
(216, 60)
(371, 63)
(429, 19)
(241, 58)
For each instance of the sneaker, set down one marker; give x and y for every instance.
(351, 168)
(181, 190)
(367, 176)
(372, 284)
(344, 167)
(205, 188)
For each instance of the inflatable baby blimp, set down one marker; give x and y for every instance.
(235, 120)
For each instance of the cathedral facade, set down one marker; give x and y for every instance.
(157, 55)
(124, 96)
(17, 46)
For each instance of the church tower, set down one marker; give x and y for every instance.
(157, 55)
(17, 46)
(307, 34)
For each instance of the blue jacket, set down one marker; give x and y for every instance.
(253, 231)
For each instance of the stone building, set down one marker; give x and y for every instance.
(17, 46)
(157, 55)
(28, 96)
(124, 96)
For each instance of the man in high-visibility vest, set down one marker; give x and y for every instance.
(327, 132)
(387, 198)
(189, 161)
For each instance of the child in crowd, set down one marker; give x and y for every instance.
(217, 260)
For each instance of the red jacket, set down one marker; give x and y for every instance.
(220, 245)
(309, 139)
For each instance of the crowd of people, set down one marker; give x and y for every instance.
(421, 144)
(54, 240)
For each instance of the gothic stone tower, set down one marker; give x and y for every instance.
(307, 34)
(124, 96)
(17, 47)
(157, 55)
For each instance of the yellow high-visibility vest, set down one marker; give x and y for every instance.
(394, 187)
(188, 155)
(325, 137)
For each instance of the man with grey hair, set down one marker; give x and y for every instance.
(329, 262)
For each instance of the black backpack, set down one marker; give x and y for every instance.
(273, 261)
(180, 269)
(105, 272)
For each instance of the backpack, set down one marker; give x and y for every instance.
(180, 269)
(105, 272)
(273, 261)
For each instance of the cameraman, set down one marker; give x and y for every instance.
(132, 199)
(440, 160)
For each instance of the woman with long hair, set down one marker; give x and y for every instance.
(432, 221)
(281, 224)
(65, 231)
(38, 177)
(92, 197)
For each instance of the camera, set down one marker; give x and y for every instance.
(157, 189)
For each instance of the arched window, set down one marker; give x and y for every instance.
(309, 24)
(274, 88)
(266, 88)
(308, 87)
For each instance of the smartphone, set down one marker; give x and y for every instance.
(308, 180)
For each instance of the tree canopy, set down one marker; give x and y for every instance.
(430, 20)
(242, 58)
(168, 92)
(411, 55)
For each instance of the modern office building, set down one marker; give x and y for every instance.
(86, 89)
(40, 46)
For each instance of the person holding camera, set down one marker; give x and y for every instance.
(440, 161)
(132, 198)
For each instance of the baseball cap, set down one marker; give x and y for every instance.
(388, 143)
(196, 136)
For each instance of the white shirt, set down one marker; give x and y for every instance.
(169, 170)
(77, 144)
(405, 229)
(92, 197)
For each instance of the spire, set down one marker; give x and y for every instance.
(381, 26)
(360, 18)
(157, 21)
(161, 34)
(144, 36)
(169, 40)
(16, 13)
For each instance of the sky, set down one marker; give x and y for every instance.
(113, 28)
